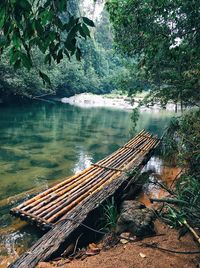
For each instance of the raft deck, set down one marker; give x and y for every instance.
(57, 203)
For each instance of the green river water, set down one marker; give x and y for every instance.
(43, 142)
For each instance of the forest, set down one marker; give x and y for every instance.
(52, 49)
(93, 67)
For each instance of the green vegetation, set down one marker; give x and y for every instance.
(109, 215)
(163, 39)
(183, 140)
(47, 25)
(53, 40)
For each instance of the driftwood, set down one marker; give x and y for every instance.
(71, 206)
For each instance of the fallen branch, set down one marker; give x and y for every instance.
(191, 230)
(154, 245)
(169, 200)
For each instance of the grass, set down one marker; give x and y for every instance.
(109, 215)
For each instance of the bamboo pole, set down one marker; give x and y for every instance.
(82, 195)
(50, 242)
(83, 189)
(64, 196)
(49, 191)
(50, 194)
(54, 206)
(69, 194)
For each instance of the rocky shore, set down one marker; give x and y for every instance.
(88, 100)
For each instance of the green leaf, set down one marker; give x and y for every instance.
(3, 41)
(86, 30)
(45, 78)
(73, 32)
(88, 22)
(72, 21)
(29, 30)
(17, 64)
(16, 38)
(45, 15)
(82, 33)
(58, 22)
(41, 45)
(7, 28)
(13, 55)
(26, 61)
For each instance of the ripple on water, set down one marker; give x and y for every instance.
(42, 142)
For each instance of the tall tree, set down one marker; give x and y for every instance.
(48, 25)
(165, 38)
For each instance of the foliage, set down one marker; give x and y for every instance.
(169, 146)
(185, 143)
(134, 120)
(47, 25)
(164, 37)
(110, 215)
(19, 83)
(98, 68)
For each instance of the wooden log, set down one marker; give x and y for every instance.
(51, 241)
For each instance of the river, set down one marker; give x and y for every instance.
(43, 142)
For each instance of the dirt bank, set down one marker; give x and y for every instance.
(136, 254)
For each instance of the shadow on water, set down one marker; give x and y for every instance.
(42, 142)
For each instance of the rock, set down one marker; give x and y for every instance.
(135, 218)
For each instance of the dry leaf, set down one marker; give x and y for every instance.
(142, 255)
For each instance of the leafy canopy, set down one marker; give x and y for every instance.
(48, 25)
(164, 36)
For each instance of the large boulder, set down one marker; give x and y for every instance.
(136, 219)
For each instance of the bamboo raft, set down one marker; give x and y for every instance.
(62, 208)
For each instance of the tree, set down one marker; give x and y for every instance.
(164, 36)
(47, 25)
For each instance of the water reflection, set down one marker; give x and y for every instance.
(162, 173)
(42, 142)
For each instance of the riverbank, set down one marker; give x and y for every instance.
(139, 254)
(88, 100)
